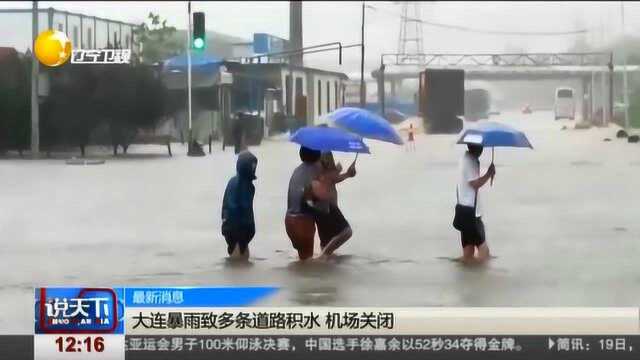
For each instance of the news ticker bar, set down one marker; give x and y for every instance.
(383, 347)
(390, 347)
(236, 311)
(111, 323)
(388, 321)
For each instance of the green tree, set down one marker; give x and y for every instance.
(113, 97)
(130, 98)
(158, 40)
(15, 105)
(69, 115)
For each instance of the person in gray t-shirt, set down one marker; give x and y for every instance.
(299, 220)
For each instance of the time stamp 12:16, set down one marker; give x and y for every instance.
(83, 344)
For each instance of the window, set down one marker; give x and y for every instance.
(128, 40)
(298, 87)
(60, 27)
(75, 35)
(328, 97)
(115, 40)
(90, 38)
(335, 92)
(319, 97)
(565, 93)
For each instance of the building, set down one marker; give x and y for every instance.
(301, 92)
(302, 95)
(217, 44)
(262, 44)
(84, 31)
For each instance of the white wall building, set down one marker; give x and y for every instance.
(84, 31)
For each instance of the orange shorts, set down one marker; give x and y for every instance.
(302, 231)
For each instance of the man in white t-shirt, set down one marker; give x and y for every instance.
(468, 194)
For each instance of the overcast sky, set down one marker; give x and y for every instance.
(340, 21)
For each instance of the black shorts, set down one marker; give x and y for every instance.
(330, 224)
(473, 235)
(240, 238)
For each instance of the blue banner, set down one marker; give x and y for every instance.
(196, 297)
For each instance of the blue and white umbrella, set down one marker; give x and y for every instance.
(494, 134)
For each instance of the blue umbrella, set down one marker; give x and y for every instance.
(200, 62)
(493, 134)
(329, 139)
(366, 124)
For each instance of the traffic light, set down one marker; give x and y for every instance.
(199, 39)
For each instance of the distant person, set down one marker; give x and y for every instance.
(237, 131)
(333, 228)
(411, 145)
(468, 218)
(300, 217)
(238, 223)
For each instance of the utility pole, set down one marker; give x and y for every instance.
(610, 86)
(295, 32)
(363, 95)
(189, 77)
(35, 114)
(603, 101)
(410, 32)
(381, 89)
(624, 71)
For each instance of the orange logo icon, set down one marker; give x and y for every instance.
(52, 48)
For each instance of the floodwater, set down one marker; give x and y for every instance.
(562, 221)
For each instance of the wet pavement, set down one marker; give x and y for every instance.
(562, 221)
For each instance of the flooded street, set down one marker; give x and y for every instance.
(562, 221)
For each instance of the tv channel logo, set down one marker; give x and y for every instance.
(53, 48)
(79, 311)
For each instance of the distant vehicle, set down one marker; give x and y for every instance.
(395, 116)
(476, 104)
(352, 93)
(565, 106)
(527, 109)
(618, 112)
(441, 100)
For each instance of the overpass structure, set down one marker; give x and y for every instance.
(511, 66)
(509, 72)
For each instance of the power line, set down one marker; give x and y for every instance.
(484, 31)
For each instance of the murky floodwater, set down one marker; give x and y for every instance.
(562, 220)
